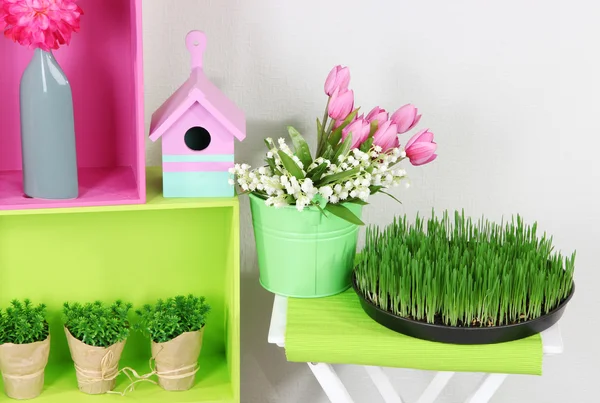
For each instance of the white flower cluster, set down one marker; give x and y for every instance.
(365, 170)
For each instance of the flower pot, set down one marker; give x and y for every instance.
(303, 254)
(96, 367)
(23, 368)
(460, 335)
(47, 130)
(177, 360)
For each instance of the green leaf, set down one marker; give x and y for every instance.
(335, 138)
(356, 201)
(374, 189)
(268, 145)
(319, 201)
(320, 209)
(291, 165)
(343, 213)
(390, 195)
(343, 148)
(339, 177)
(319, 133)
(337, 133)
(301, 146)
(328, 153)
(374, 126)
(366, 146)
(315, 174)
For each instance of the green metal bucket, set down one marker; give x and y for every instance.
(303, 254)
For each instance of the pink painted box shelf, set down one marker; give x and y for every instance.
(104, 66)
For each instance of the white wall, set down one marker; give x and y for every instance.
(511, 89)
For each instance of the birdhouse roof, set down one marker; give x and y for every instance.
(198, 88)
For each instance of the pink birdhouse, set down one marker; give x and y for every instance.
(198, 125)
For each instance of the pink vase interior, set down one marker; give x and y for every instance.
(104, 66)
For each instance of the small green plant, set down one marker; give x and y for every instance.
(23, 323)
(172, 317)
(96, 324)
(465, 273)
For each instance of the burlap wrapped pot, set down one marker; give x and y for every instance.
(23, 367)
(177, 360)
(96, 367)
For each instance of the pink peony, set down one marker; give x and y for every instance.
(421, 148)
(44, 24)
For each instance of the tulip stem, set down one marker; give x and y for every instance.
(321, 140)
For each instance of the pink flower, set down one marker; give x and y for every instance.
(406, 118)
(2, 17)
(360, 130)
(420, 149)
(340, 104)
(338, 78)
(44, 24)
(386, 136)
(377, 114)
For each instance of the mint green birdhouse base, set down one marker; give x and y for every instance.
(197, 184)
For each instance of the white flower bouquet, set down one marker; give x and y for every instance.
(356, 157)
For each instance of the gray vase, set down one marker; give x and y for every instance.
(47, 130)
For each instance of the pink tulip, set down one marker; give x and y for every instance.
(386, 136)
(420, 149)
(406, 118)
(360, 130)
(338, 78)
(341, 104)
(377, 114)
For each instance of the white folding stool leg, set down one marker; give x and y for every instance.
(330, 382)
(487, 388)
(436, 386)
(383, 385)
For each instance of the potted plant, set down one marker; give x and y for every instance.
(96, 334)
(463, 282)
(24, 349)
(306, 208)
(175, 326)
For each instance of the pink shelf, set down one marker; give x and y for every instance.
(97, 187)
(104, 66)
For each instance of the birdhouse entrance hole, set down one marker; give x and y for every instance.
(197, 138)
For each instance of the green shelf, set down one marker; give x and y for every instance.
(136, 253)
(213, 385)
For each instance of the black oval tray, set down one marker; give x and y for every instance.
(460, 335)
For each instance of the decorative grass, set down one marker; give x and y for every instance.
(463, 273)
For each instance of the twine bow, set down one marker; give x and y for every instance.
(109, 371)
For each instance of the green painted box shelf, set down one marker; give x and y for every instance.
(137, 253)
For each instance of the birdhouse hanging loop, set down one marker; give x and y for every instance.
(196, 44)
